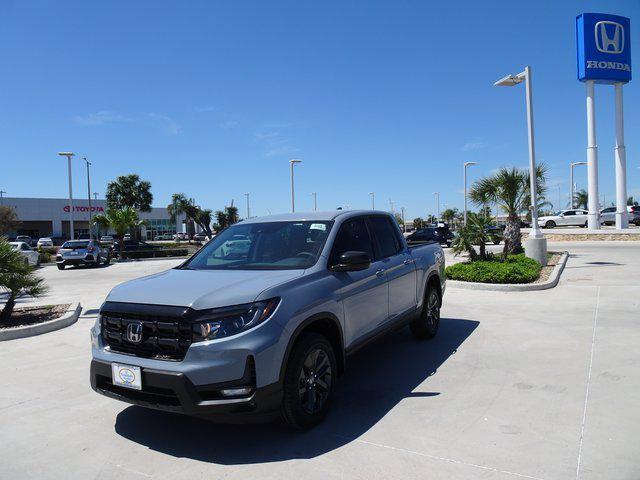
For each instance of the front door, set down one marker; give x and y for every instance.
(364, 294)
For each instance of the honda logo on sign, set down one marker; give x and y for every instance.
(609, 37)
(134, 332)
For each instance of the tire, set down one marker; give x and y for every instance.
(426, 325)
(307, 395)
(550, 224)
(586, 224)
(60, 266)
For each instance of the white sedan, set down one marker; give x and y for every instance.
(45, 242)
(564, 218)
(31, 256)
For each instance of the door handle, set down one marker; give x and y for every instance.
(380, 272)
(408, 261)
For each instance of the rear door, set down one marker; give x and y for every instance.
(364, 294)
(397, 263)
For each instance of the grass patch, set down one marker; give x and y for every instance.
(516, 269)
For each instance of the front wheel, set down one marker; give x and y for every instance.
(60, 266)
(426, 325)
(550, 224)
(309, 381)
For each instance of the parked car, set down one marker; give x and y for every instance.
(442, 235)
(129, 245)
(608, 215)
(181, 236)
(564, 218)
(266, 333)
(82, 252)
(496, 233)
(31, 256)
(200, 237)
(45, 242)
(26, 239)
(164, 236)
(107, 240)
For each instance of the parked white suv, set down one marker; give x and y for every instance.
(608, 215)
(564, 218)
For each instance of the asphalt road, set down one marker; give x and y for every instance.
(538, 385)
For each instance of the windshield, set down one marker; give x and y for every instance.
(75, 245)
(263, 246)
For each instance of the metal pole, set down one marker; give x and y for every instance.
(535, 229)
(404, 223)
(293, 202)
(437, 194)
(315, 202)
(373, 200)
(465, 193)
(95, 195)
(248, 210)
(622, 217)
(89, 197)
(2, 192)
(71, 235)
(572, 190)
(592, 159)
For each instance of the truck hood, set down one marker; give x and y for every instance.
(200, 289)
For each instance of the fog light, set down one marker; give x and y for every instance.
(234, 392)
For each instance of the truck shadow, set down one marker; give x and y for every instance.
(376, 380)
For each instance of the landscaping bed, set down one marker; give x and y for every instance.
(516, 269)
(25, 316)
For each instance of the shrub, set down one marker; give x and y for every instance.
(516, 269)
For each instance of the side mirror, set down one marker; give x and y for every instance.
(561, 215)
(352, 262)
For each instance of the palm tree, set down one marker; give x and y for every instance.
(473, 234)
(418, 223)
(581, 199)
(17, 278)
(181, 204)
(120, 220)
(101, 222)
(509, 188)
(227, 217)
(129, 191)
(631, 202)
(449, 215)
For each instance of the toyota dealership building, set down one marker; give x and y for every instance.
(49, 217)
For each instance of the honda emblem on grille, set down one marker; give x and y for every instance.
(134, 332)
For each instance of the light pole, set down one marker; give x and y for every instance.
(437, 194)
(572, 188)
(404, 223)
(95, 196)
(248, 210)
(537, 242)
(2, 192)
(69, 155)
(466, 164)
(89, 197)
(622, 217)
(373, 200)
(315, 201)
(292, 162)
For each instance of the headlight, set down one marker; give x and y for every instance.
(224, 322)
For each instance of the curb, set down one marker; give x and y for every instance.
(68, 318)
(551, 282)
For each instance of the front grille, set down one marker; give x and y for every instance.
(163, 337)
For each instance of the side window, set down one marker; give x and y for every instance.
(353, 236)
(569, 212)
(385, 236)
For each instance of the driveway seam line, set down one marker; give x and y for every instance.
(444, 459)
(586, 396)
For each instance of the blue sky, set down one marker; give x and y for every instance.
(213, 98)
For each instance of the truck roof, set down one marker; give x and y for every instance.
(306, 216)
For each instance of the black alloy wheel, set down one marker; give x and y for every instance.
(426, 325)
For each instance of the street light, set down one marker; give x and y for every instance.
(248, 210)
(69, 155)
(404, 223)
(437, 194)
(292, 162)
(538, 243)
(2, 192)
(315, 201)
(89, 197)
(572, 189)
(466, 164)
(373, 200)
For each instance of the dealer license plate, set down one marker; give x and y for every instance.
(127, 376)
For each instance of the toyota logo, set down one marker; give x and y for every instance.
(134, 332)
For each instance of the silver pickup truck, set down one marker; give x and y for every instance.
(261, 320)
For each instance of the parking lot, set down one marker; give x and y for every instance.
(538, 385)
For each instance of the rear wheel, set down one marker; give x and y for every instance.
(309, 381)
(550, 224)
(60, 266)
(426, 325)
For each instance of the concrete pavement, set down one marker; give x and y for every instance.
(516, 385)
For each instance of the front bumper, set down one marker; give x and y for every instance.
(173, 391)
(86, 260)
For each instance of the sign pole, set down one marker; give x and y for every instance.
(622, 217)
(593, 218)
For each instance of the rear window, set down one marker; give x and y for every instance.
(74, 245)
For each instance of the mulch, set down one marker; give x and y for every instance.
(23, 316)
